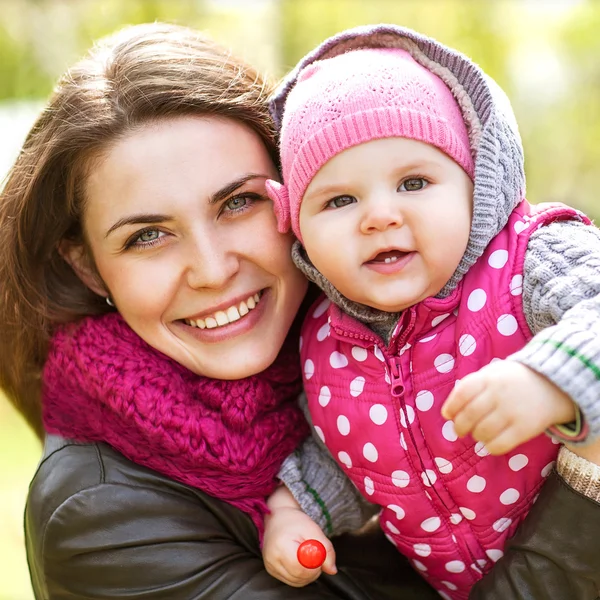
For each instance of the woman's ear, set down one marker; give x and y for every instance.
(79, 260)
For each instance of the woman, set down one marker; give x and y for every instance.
(138, 200)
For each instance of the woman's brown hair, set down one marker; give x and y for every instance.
(141, 74)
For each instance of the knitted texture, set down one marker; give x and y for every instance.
(103, 383)
(581, 474)
(499, 183)
(354, 98)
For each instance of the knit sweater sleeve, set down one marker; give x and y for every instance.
(561, 302)
(322, 489)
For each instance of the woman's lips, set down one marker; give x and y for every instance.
(233, 328)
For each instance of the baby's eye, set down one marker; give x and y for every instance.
(340, 201)
(414, 184)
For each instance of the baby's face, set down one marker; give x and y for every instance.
(387, 222)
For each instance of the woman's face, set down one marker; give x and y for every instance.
(185, 240)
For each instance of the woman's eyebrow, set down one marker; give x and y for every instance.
(150, 219)
(234, 185)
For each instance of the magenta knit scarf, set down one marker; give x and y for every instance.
(103, 383)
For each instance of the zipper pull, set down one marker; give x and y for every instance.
(396, 377)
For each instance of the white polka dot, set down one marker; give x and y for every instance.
(378, 353)
(476, 568)
(404, 349)
(429, 477)
(419, 565)
(345, 459)
(391, 527)
(424, 400)
(320, 433)
(449, 432)
(403, 441)
(400, 478)
(443, 595)
(323, 306)
(481, 450)
(427, 339)
(391, 539)
(516, 285)
(323, 332)
(439, 319)
(477, 300)
(507, 325)
(455, 566)
(519, 226)
(343, 425)
(431, 524)
(455, 518)
(476, 484)
(517, 462)
(400, 514)
(337, 360)
(370, 452)
(378, 414)
(422, 549)
(467, 513)
(501, 524)
(444, 363)
(309, 368)
(494, 554)
(443, 465)
(369, 486)
(359, 354)
(481, 562)
(387, 377)
(547, 469)
(357, 386)
(449, 585)
(498, 259)
(467, 344)
(509, 496)
(324, 396)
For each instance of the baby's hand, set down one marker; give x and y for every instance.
(505, 404)
(286, 527)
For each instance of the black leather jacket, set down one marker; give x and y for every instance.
(101, 527)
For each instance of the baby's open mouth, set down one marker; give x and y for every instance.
(387, 257)
(229, 315)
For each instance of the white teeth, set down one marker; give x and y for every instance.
(233, 314)
(390, 259)
(224, 317)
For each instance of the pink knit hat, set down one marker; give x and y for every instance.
(353, 98)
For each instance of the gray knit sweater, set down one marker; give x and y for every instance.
(561, 287)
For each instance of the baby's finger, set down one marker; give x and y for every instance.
(472, 414)
(329, 564)
(463, 393)
(505, 441)
(489, 427)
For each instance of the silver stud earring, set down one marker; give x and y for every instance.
(109, 301)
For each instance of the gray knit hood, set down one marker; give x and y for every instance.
(499, 182)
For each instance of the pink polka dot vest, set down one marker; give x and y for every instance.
(447, 504)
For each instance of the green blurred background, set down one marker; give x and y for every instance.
(544, 53)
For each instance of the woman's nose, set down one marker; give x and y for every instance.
(380, 214)
(212, 262)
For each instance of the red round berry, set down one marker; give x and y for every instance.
(311, 554)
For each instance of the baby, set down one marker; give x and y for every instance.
(456, 329)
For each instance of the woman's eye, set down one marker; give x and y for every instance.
(149, 236)
(412, 185)
(340, 201)
(236, 203)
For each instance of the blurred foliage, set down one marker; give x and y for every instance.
(544, 53)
